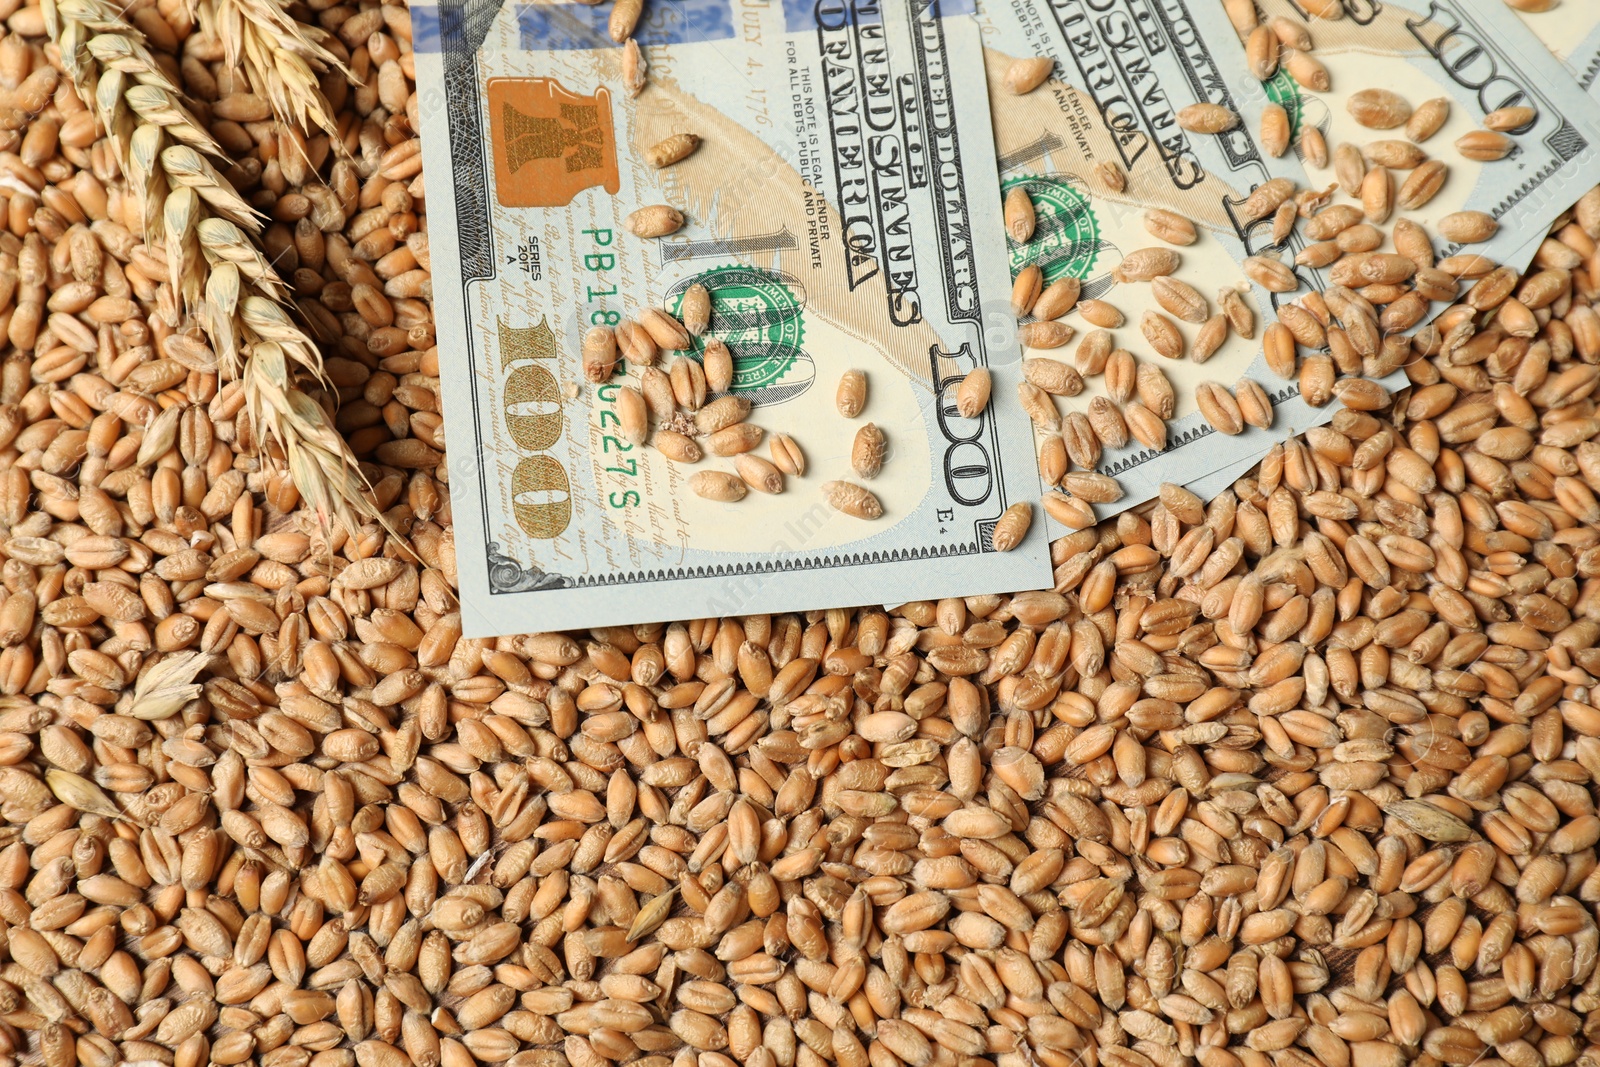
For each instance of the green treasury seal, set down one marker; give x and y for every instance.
(1066, 236)
(759, 315)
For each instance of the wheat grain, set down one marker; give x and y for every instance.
(786, 454)
(1307, 70)
(1170, 226)
(1019, 215)
(1026, 289)
(1044, 334)
(671, 150)
(759, 474)
(1012, 527)
(1111, 176)
(1100, 313)
(1261, 52)
(1207, 118)
(1275, 130)
(852, 499)
(1057, 298)
(1378, 109)
(1484, 145)
(868, 450)
(1219, 407)
(851, 395)
(655, 220)
(1026, 74)
(718, 485)
(1146, 264)
(972, 396)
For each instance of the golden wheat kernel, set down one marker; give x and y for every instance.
(852, 499)
(1025, 75)
(868, 450)
(1207, 118)
(1427, 119)
(671, 150)
(851, 396)
(657, 220)
(1170, 226)
(1219, 407)
(1019, 215)
(972, 396)
(1378, 109)
(1111, 176)
(1484, 145)
(1012, 527)
(786, 454)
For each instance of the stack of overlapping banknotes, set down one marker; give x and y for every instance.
(761, 305)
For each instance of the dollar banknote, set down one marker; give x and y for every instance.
(1108, 117)
(1480, 59)
(842, 211)
(1571, 30)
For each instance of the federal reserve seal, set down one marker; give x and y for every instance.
(1066, 236)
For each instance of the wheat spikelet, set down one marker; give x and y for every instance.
(167, 685)
(193, 218)
(318, 459)
(279, 56)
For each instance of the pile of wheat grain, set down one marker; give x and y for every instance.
(1300, 776)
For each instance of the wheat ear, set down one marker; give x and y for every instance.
(279, 56)
(207, 234)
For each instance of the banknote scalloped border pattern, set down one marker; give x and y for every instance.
(506, 575)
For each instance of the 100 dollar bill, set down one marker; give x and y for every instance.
(1121, 77)
(842, 210)
(1481, 59)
